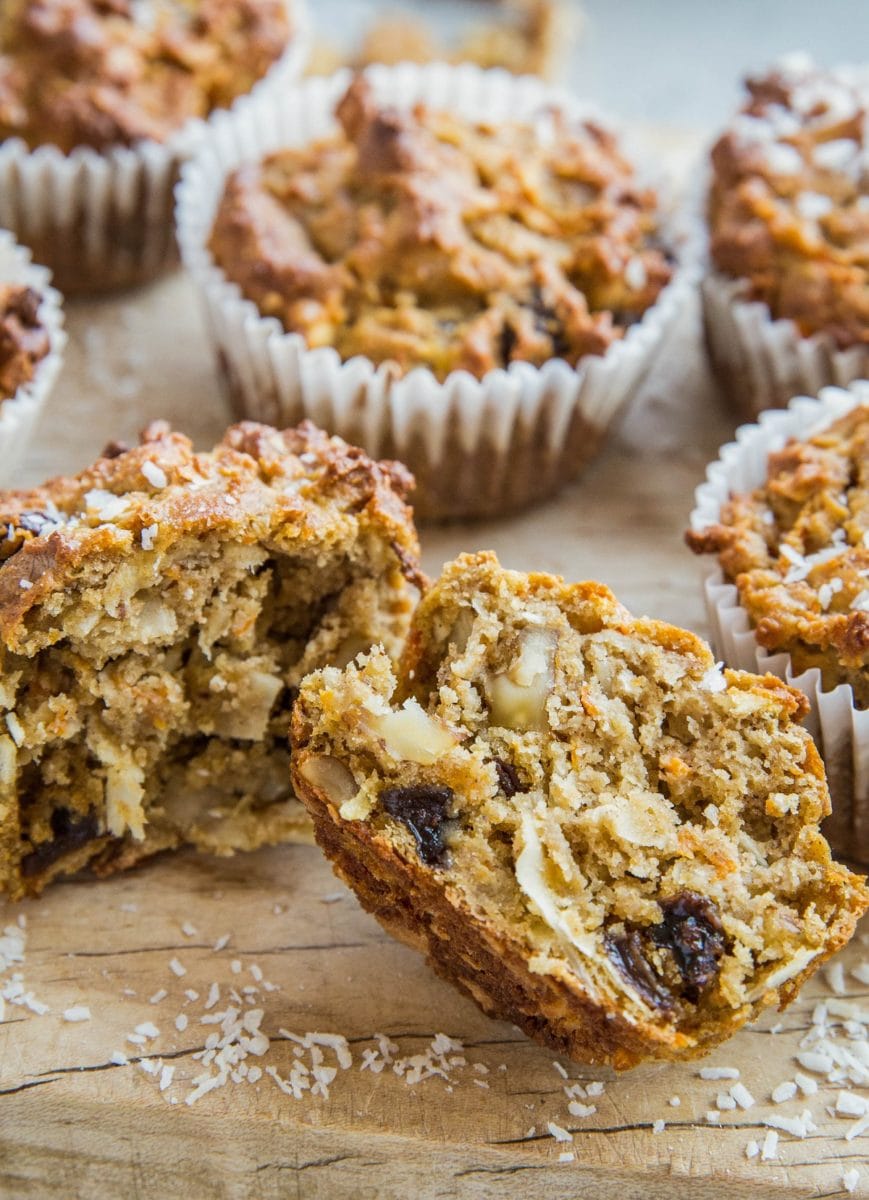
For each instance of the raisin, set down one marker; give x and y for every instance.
(507, 343)
(508, 778)
(691, 930)
(423, 810)
(15, 531)
(70, 830)
(114, 449)
(692, 937)
(628, 953)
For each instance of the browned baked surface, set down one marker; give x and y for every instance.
(797, 549)
(157, 613)
(789, 200)
(581, 821)
(421, 239)
(24, 340)
(102, 73)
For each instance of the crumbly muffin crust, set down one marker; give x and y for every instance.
(24, 340)
(419, 238)
(157, 613)
(103, 73)
(585, 824)
(797, 549)
(789, 199)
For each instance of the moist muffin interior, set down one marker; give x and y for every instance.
(596, 792)
(145, 703)
(102, 73)
(419, 238)
(797, 549)
(789, 200)
(24, 340)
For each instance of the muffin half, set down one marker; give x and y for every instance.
(157, 613)
(584, 824)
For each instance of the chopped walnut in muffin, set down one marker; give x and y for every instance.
(797, 549)
(24, 340)
(789, 201)
(101, 73)
(422, 238)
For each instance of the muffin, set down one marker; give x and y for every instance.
(586, 825)
(787, 299)
(100, 100)
(157, 613)
(459, 269)
(31, 349)
(786, 513)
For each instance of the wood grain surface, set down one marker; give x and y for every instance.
(73, 1124)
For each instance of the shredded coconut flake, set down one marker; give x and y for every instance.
(850, 1179)
(784, 1092)
(149, 536)
(79, 1012)
(155, 475)
(769, 1149)
(560, 1134)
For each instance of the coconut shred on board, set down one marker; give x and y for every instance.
(829, 1070)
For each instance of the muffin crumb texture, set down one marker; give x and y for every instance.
(797, 549)
(789, 200)
(105, 73)
(157, 613)
(420, 238)
(584, 823)
(24, 340)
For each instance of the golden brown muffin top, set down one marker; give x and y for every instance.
(102, 73)
(298, 489)
(789, 201)
(24, 340)
(797, 549)
(420, 238)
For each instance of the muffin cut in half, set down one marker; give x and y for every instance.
(585, 824)
(156, 614)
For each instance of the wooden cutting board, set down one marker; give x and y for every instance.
(74, 1124)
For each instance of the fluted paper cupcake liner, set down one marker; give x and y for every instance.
(19, 414)
(104, 219)
(762, 362)
(839, 727)
(476, 446)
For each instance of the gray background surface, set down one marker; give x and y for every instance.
(672, 62)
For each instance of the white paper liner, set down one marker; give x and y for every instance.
(476, 446)
(840, 729)
(763, 363)
(19, 413)
(104, 219)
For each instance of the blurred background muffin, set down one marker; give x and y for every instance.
(464, 273)
(99, 103)
(787, 299)
(32, 339)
